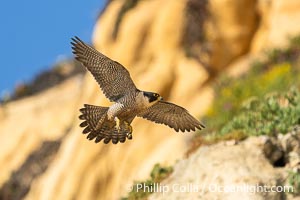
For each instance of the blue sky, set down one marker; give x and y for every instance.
(35, 34)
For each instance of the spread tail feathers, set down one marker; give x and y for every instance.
(98, 126)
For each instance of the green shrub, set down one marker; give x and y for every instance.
(275, 113)
(293, 179)
(230, 96)
(241, 106)
(277, 72)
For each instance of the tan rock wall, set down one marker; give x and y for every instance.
(279, 21)
(149, 45)
(230, 30)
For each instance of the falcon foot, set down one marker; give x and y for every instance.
(118, 127)
(128, 134)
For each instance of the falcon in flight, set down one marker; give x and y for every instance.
(113, 123)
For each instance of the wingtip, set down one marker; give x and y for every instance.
(76, 40)
(202, 126)
(73, 39)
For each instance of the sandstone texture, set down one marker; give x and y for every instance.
(149, 42)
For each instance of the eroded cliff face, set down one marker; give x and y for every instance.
(149, 42)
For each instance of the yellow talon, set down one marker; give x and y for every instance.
(129, 134)
(130, 128)
(117, 124)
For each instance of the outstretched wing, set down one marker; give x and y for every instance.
(113, 78)
(172, 115)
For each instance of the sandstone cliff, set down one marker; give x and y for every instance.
(157, 42)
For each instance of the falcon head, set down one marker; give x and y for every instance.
(152, 97)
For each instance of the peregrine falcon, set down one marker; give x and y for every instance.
(113, 123)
